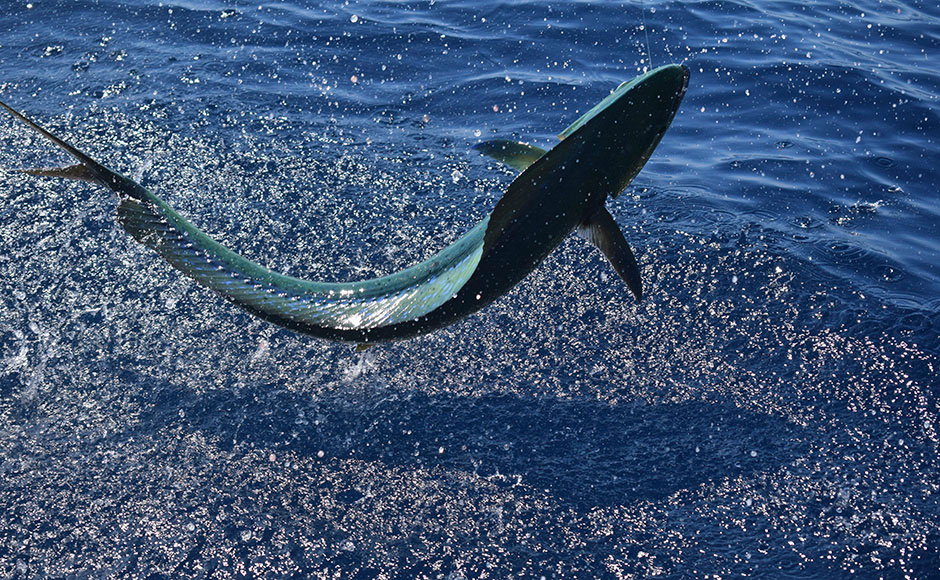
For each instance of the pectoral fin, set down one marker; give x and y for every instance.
(512, 153)
(602, 231)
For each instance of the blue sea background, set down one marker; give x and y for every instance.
(770, 409)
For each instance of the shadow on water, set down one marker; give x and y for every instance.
(586, 453)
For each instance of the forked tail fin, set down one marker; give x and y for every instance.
(86, 170)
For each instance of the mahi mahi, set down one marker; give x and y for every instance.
(559, 191)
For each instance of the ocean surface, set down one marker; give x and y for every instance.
(769, 410)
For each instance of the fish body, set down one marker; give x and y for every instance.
(559, 191)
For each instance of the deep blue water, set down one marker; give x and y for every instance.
(770, 409)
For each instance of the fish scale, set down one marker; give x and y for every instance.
(155, 229)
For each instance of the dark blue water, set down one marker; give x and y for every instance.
(769, 410)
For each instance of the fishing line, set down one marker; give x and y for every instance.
(646, 31)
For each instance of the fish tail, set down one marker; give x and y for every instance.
(86, 170)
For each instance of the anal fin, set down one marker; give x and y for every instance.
(602, 231)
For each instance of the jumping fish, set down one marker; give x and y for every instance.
(559, 191)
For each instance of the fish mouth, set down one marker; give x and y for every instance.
(678, 95)
(685, 78)
(677, 100)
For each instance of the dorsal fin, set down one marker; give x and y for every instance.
(602, 231)
(512, 153)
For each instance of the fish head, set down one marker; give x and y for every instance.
(615, 138)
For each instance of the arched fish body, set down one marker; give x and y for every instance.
(559, 191)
